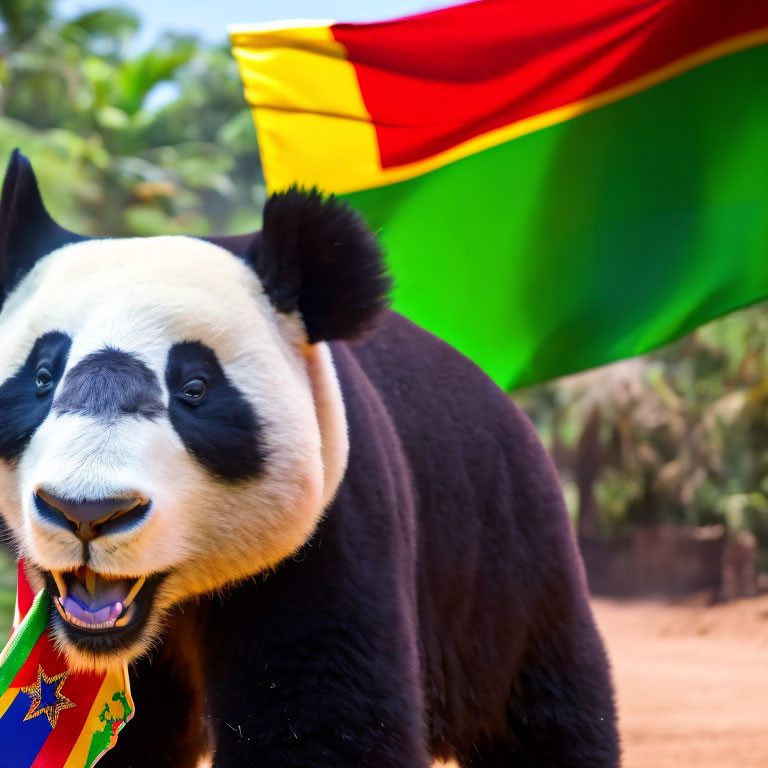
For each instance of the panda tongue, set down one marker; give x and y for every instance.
(107, 613)
(100, 605)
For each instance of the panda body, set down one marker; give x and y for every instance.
(415, 592)
(439, 610)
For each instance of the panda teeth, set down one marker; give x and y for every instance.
(129, 598)
(85, 625)
(126, 617)
(60, 583)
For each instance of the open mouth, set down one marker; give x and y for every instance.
(100, 614)
(95, 602)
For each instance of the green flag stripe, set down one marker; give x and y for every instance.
(595, 239)
(23, 640)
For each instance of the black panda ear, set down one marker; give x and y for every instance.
(27, 231)
(317, 255)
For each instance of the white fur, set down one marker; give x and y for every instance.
(143, 296)
(331, 417)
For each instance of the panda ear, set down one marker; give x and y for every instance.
(317, 256)
(27, 231)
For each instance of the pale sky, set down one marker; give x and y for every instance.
(210, 18)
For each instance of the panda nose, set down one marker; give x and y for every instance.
(91, 518)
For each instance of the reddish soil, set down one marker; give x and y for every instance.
(691, 680)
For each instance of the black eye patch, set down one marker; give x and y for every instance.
(214, 421)
(25, 398)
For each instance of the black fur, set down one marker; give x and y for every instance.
(27, 232)
(315, 255)
(221, 431)
(110, 383)
(439, 611)
(22, 407)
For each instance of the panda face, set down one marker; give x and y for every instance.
(153, 372)
(170, 421)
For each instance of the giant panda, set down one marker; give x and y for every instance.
(321, 536)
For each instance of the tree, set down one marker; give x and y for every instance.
(110, 163)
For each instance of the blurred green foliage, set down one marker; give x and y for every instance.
(77, 99)
(7, 595)
(676, 436)
(161, 142)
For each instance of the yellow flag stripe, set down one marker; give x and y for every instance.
(7, 699)
(311, 121)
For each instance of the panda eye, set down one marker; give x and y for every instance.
(43, 379)
(194, 390)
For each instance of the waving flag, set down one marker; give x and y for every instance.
(558, 184)
(50, 715)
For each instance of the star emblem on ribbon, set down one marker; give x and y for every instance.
(47, 698)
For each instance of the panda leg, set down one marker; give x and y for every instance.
(560, 712)
(316, 717)
(326, 712)
(306, 686)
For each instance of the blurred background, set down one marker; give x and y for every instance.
(135, 122)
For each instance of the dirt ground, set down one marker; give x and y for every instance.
(692, 682)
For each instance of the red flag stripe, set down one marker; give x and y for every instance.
(433, 81)
(24, 594)
(42, 653)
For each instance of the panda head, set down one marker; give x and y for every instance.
(170, 420)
